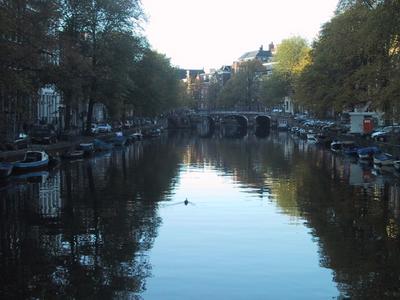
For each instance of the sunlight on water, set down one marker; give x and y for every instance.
(227, 243)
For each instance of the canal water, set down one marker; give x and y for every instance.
(183, 217)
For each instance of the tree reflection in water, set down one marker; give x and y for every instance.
(85, 231)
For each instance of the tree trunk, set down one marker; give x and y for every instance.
(89, 114)
(67, 117)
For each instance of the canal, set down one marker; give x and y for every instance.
(183, 217)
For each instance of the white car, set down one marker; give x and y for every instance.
(385, 130)
(94, 129)
(104, 127)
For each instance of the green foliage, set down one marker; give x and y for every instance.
(292, 56)
(273, 89)
(243, 88)
(355, 60)
(291, 59)
(157, 87)
(24, 43)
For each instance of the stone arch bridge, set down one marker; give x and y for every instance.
(243, 119)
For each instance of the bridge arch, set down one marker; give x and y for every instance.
(234, 125)
(263, 121)
(262, 125)
(206, 126)
(241, 120)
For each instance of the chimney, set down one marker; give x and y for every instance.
(271, 47)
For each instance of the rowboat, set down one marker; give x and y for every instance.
(367, 152)
(383, 159)
(5, 169)
(33, 160)
(339, 146)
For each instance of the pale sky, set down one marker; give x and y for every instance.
(210, 33)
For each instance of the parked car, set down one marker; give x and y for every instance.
(94, 128)
(104, 127)
(43, 135)
(21, 142)
(117, 125)
(382, 134)
(128, 124)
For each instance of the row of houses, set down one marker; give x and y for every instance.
(47, 108)
(27, 49)
(200, 83)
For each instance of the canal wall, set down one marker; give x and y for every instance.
(71, 143)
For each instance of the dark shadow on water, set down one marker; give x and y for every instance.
(86, 230)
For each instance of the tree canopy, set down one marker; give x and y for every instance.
(243, 88)
(355, 60)
(93, 51)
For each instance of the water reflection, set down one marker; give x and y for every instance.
(86, 229)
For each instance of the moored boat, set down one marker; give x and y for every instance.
(5, 169)
(119, 141)
(87, 148)
(311, 136)
(396, 165)
(350, 149)
(33, 160)
(383, 159)
(323, 139)
(99, 145)
(367, 153)
(137, 136)
(73, 154)
(339, 146)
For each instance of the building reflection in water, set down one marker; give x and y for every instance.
(85, 230)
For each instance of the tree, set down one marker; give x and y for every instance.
(118, 55)
(157, 87)
(336, 57)
(292, 56)
(243, 88)
(344, 5)
(99, 18)
(27, 41)
(273, 89)
(355, 60)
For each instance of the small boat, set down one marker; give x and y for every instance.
(73, 154)
(383, 159)
(156, 132)
(367, 153)
(350, 149)
(311, 136)
(119, 141)
(396, 165)
(5, 169)
(33, 160)
(137, 136)
(323, 139)
(339, 146)
(99, 145)
(87, 148)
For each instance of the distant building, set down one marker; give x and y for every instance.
(288, 105)
(48, 106)
(265, 57)
(222, 75)
(99, 113)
